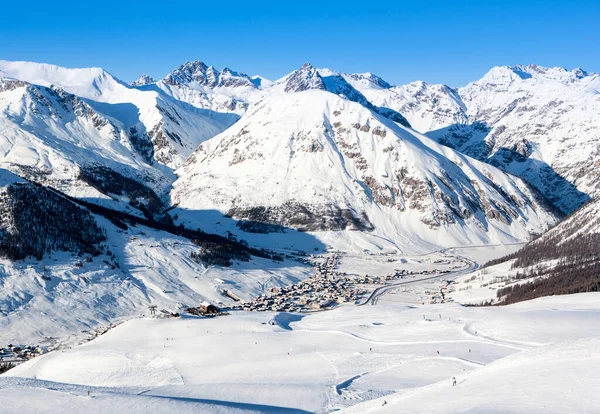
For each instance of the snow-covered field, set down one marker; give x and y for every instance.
(537, 356)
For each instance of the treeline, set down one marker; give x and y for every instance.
(574, 268)
(108, 181)
(578, 248)
(564, 279)
(35, 221)
(211, 253)
(5, 366)
(214, 249)
(219, 254)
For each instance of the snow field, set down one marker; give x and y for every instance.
(330, 360)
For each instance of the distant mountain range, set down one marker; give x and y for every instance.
(315, 159)
(78, 130)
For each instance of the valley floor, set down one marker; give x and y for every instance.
(395, 356)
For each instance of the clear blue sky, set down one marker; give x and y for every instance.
(450, 41)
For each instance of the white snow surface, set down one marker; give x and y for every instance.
(536, 356)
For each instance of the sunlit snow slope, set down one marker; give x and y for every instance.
(314, 161)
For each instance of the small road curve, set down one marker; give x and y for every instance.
(382, 290)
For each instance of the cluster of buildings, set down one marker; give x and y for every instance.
(325, 289)
(328, 288)
(441, 295)
(19, 353)
(94, 333)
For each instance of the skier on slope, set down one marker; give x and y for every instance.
(454, 381)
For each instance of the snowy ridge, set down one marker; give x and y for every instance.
(143, 80)
(206, 87)
(534, 122)
(308, 77)
(584, 222)
(426, 106)
(174, 127)
(297, 156)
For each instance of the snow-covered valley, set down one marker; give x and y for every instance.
(342, 224)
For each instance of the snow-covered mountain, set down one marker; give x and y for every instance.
(306, 158)
(175, 128)
(206, 87)
(308, 77)
(229, 91)
(54, 138)
(538, 123)
(89, 135)
(534, 122)
(143, 80)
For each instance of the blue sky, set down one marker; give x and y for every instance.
(450, 41)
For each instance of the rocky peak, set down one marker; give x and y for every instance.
(207, 76)
(143, 80)
(194, 71)
(305, 78)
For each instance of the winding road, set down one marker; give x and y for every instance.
(382, 290)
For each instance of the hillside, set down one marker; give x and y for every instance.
(534, 122)
(564, 260)
(66, 269)
(172, 128)
(315, 161)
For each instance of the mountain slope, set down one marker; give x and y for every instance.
(53, 137)
(65, 270)
(206, 87)
(540, 125)
(563, 260)
(174, 127)
(426, 106)
(534, 122)
(315, 161)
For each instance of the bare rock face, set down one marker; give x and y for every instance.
(369, 79)
(307, 77)
(207, 76)
(305, 217)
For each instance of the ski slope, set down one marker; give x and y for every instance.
(537, 356)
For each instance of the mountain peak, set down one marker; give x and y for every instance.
(143, 80)
(368, 79)
(207, 76)
(507, 75)
(305, 78)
